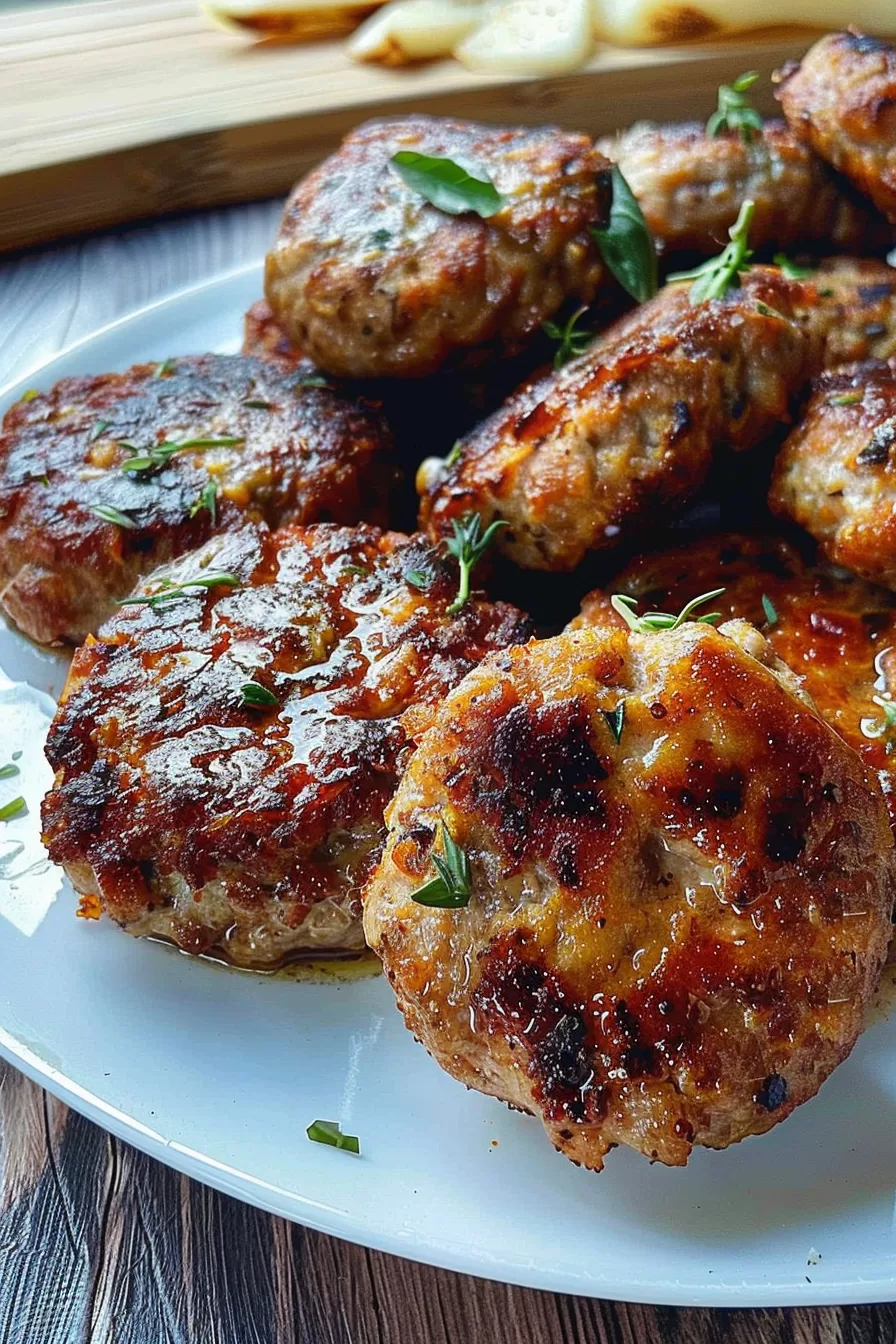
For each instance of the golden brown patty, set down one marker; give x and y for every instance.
(691, 186)
(260, 443)
(370, 280)
(847, 308)
(835, 632)
(250, 828)
(841, 99)
(836, 473)
(619, 438)
(676, 917)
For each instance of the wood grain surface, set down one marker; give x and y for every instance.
(113, 110)
(100, 1243)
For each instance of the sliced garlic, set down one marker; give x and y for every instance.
(530, 37)
(288, 20)
(413, 30)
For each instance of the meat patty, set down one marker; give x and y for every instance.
(691, 186)
(221, 438)
(841, 100)
(371, 280)
(580, 459)
(834, 631)
(264, 339)
(245, 822)
(848, 310)
(679, 893)
(836, 473)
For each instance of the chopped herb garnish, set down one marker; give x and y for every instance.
(715, 277)
(468, 544)
(791, 269)
(258, 404)
(380, 237)
(626, 244)
(624, 606)
(208, 500)
(8, 771)
(110, 515)
(41, 480)
(164, 368)
(160, 454)
(169, 591)
(734, 111)
(875, 728)
(12, 809)
(455, 454)
(254, 696)
(311, 380)
(361, 571)
(452, 888)
(98, 429)
(767, 311)
(446, 185)
(17, 755)
(768, 606)
(573, 340)
(328, 1132)
(615, 719)
(847, 399)
(420, 578)
(30, 394)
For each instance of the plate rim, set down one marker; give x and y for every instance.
(293, 1206)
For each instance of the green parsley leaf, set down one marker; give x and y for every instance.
(328, 1132)
(468, 543)
(14, 808)
(768, 607)
(626, 244)
(208, 499)
(624, 606)
(573, 340)
(446, 185)
(422, 579)
(380, 237)
(98, 429)
(716, 276)
(734, 111)
(452, 888)
(615, 720)
(255, 696)
(791, 269)
(110, 515)
(30, 394)
(169, 592)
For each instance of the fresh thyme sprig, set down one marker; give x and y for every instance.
(573, 340)
(468, 543)
(716, 276)
(452, 888)
(624, 606)
(169, 592)
(208, 500)
(160, 454)
(734, 111)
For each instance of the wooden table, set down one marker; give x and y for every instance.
(99, 1243)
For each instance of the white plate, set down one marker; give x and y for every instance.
(218, 1073)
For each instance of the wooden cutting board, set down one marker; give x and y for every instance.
(115, 110)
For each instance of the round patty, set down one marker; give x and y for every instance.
(678, 910)
(691, 185)
(246, 822)
(78, 525)
(369, 279)
(841, 99)
(607, 446)
(836, 473)
(833, 630)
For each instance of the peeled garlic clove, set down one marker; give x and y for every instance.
(288, 20)
(646, 22)
(413, 30)
(530, 37)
